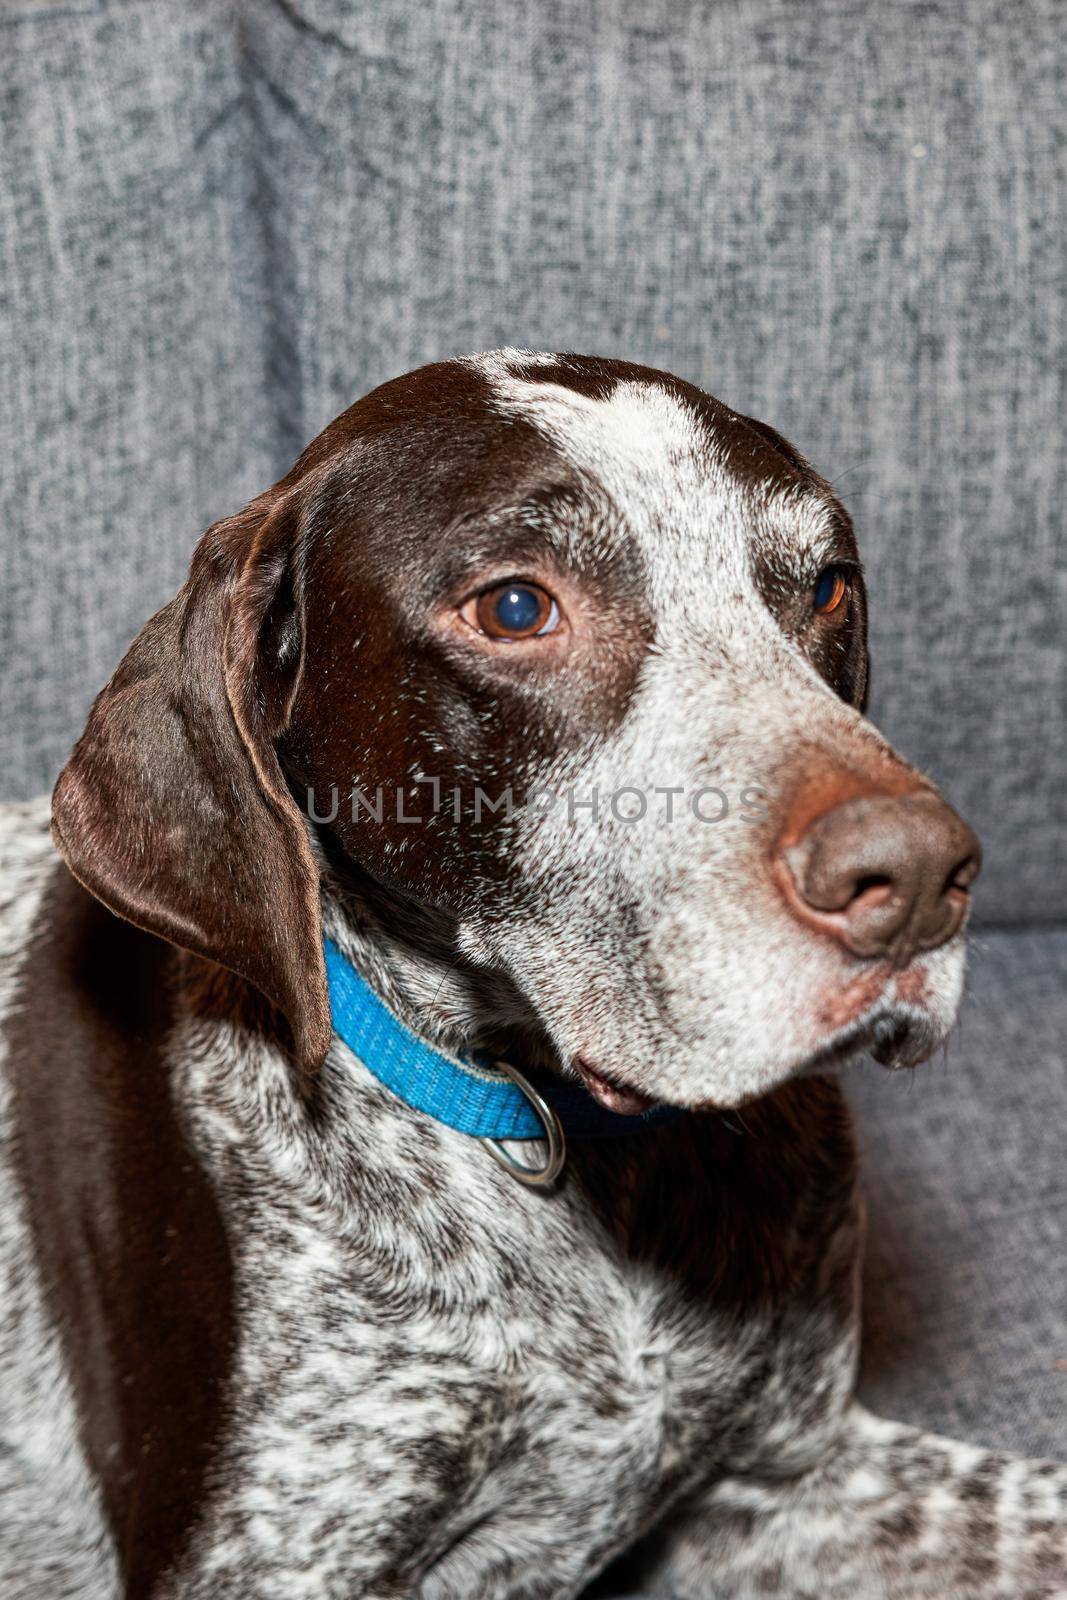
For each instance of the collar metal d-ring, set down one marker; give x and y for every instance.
(533, 1177)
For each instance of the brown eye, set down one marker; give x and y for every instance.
(514, 610)
(830, 589)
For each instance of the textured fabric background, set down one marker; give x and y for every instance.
(220, 225)
(965, 1315)
(135, 402)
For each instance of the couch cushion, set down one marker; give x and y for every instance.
(133, 358)
(966, 1283)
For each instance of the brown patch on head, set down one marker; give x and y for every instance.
(390, 692)
(310, 625)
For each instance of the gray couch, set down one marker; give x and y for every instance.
(220, 224)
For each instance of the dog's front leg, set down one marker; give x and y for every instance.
(891, 1513)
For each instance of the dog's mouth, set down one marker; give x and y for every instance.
(612, 1096)
(899, 1024)
(892, 1040)
(897, 1018)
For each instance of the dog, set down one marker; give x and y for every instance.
(273, 1327)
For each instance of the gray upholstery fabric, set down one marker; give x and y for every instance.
(963, 1161)
(134, 397)
(221, 224)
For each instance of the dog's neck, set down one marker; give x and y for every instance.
(409, 956)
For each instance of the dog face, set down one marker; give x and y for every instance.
(595, 599)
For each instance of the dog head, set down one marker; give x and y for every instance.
(571, 658)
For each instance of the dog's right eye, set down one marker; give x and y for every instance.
(830, 589)
(513, 611)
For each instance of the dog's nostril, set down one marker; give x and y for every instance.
(875, 885)
(964, 874)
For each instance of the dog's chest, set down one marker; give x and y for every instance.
(527, 1405)
(446, 1369)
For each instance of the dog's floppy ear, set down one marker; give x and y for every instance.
(173, 809)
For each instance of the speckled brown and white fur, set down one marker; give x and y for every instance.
(438, 1383)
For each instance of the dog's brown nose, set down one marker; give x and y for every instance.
(886, 874)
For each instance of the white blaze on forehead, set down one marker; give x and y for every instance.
(696, 522)
(638, 440)
(650, 454)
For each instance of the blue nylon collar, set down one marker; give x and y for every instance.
(468, 1095)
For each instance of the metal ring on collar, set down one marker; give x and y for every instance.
(533, 1177)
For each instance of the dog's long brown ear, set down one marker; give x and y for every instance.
(172, 808)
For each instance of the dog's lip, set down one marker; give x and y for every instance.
(892, 1022)
(885, 1035)
(612, 1096)
(889, 1048)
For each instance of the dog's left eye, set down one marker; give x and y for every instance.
(511, 611)
(830, 589)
